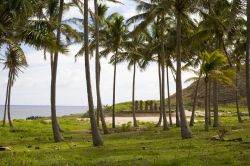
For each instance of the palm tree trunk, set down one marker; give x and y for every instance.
(98, 73)
(247, 58)
(9, 97)
(185, 131)
(133, 97)
(215, 103)
(177, 115)
(236, 94)
(164, 115)
(114, 84)
(195, 100)
(55, 125)
(206, 110)
(96, 137)
(51, 67)
(215, 90)
(169, 100)
(209, 101)
(159, 74)
(99, 106)
(6, 101)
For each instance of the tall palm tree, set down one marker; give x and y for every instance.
(180, 7)
(96, 137)
(115, 35)
(135, 49)
(238, 58)
(99, 11)
(165, 123)
(54, 63)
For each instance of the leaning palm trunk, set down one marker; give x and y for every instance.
(215, 103)
(5, 105)
(247, 58)
(194, 101)
(114, 84)
(159, 74)
(236, 95)
(99, 106)
(169, 100)
(133, 98)
(206, 109)
(54, 62)
(185, 131)
(98, 70)
(96, 137)
(9, 97)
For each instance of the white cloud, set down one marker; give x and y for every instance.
(33, 86)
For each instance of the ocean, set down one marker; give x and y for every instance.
(24, 111)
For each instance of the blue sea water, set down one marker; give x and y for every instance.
(24, 111)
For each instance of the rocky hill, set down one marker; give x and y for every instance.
(226, 94)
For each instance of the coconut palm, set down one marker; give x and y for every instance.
(100, 11)
(218, 20)
(135, 49)
(237, 59)
(18, 25)
(98, 24)
(214, 67)
(54, 63)
(96, 137)
(14, 61)
(114, 36)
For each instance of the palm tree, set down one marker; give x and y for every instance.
(17, 27)
(238, 58)
(114, 38)
(96, 137)
(15, 61)
(180, 7)
(100, 12)
(135, 49)
(54, 63)
(214, 67)
(218, 20)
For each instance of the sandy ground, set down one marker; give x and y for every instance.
(124, 120)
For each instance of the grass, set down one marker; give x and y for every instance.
(32, 144)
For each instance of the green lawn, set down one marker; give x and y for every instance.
(31, 143)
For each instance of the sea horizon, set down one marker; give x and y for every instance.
(25, 111)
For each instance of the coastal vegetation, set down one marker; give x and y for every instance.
(209, 38)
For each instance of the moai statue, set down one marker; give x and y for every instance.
(146, 106)
(151, 105)
(141, 105)
(136, 106)
(155, 107)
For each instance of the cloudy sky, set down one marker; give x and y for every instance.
(33, 85)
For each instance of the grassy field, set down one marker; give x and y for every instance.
(32, 144)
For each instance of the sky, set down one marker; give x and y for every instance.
(32, 87)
